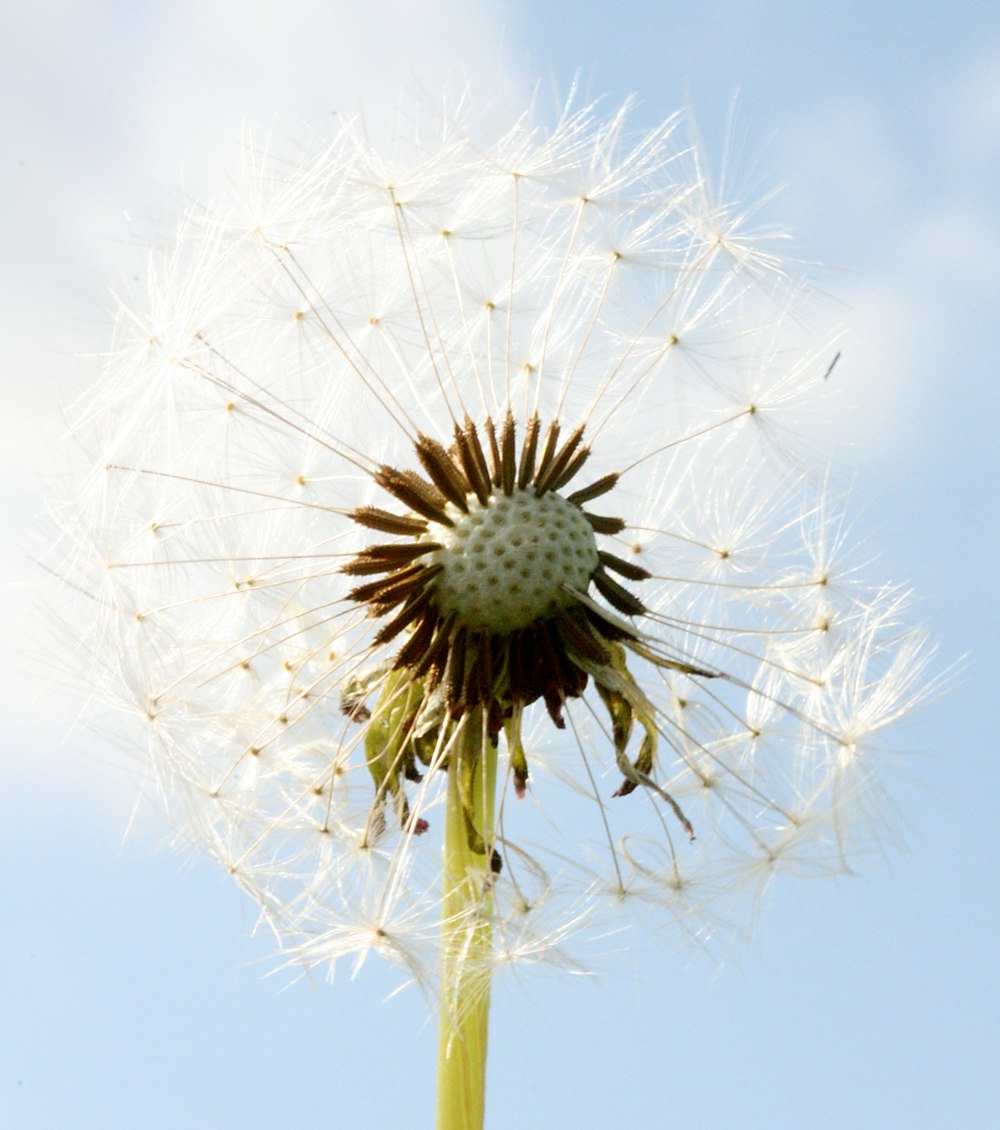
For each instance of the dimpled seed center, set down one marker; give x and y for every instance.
(504, 564)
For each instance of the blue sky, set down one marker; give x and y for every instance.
(132, 992)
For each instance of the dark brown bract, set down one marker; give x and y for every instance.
(545, 659)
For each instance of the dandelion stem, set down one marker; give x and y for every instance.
(466, 932)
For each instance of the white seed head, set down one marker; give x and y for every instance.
(511, 562)
(319, 378)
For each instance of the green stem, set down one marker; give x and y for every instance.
(466, 934)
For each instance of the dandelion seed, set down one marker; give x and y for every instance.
(434, 483)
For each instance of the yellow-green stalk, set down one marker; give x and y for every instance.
(466, 933)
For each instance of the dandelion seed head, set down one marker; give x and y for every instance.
(405, 440)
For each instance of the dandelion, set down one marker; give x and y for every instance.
(455, 557)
